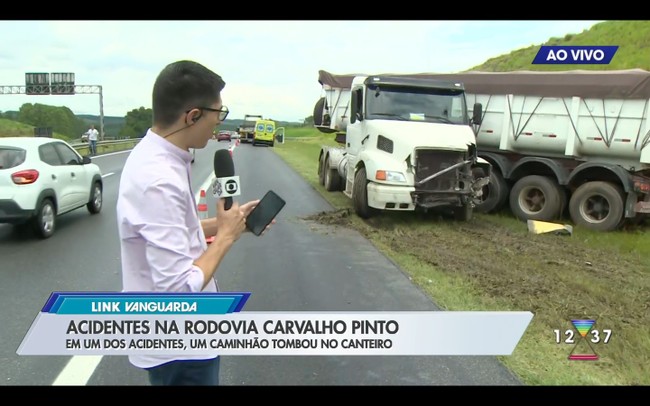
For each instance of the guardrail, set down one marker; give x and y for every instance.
(104, 147)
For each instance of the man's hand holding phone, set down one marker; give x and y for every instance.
(262, 215)
(247, 208)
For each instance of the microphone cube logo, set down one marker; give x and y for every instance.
(575, 55)
(231, 187)
(226, 187)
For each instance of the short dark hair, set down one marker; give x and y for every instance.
(181, 86)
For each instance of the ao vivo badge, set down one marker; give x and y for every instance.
(575, 55)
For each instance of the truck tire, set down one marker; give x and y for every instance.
(360, 195)
(535, 197)
(318, 111)
(332, 178)
(321, 169)
(598, 206)
(495, 194)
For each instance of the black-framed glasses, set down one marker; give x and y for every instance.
(223, 112)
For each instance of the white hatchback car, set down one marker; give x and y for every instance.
(42, 178)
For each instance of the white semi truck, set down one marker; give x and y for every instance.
(247, 128)
(576, 141)
(406, 143)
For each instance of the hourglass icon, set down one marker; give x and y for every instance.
(585, 354)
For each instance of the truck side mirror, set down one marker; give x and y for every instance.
(477, 114)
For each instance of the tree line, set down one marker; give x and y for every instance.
(63, 121)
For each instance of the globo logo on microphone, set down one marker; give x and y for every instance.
(226, 187)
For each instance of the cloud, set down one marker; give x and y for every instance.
(270, 67)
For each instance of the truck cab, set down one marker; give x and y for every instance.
(247, 127)
(408, 143)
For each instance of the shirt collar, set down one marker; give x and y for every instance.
(186, 156)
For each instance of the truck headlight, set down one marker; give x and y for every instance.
(390, 176)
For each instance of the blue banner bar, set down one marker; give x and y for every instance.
(145, 303)
(575, 55)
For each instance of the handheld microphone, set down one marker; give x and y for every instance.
(226, 184)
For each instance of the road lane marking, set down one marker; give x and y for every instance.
(108, 174)
(80, 368)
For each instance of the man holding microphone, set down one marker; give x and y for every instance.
(163, 242)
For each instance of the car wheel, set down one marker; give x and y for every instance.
(45, 221)
(95, 203)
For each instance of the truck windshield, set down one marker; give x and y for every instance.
(416, 104)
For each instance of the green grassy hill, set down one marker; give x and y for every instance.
(11, 128)
(632, 38)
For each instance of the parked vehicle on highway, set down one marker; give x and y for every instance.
(247, 127)
(43, 178)
(264, 132)
(405, 144)
(224, 136)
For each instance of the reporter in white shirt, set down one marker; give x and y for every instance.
(163, 242)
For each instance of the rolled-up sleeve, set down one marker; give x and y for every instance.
(168, 240)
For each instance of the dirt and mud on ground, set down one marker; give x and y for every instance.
(557, 277)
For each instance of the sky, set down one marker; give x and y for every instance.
(270, 68)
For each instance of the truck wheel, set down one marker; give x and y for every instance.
(563, 202)
(536, 198)
(495, 194)
(321, 169)
(360, 195)
(332, 178)
(597, 206)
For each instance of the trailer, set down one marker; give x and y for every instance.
(576, 141)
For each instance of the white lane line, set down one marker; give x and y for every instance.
(78, 370)
(106, 175)
(81, 367)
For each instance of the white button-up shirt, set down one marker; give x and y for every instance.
(160, 231)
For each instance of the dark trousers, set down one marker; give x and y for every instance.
(187, 372)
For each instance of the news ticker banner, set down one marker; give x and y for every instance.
(213, 324)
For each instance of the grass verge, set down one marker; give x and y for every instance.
(493, 263)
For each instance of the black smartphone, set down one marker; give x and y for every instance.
(264, 212)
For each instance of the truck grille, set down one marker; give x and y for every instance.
(428, 162)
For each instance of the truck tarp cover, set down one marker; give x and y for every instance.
(613, 84)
